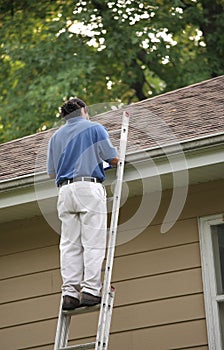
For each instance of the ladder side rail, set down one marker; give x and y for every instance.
(108, 319)
(116, 202)
(65, 330)
(112, 233)
(59, 328)
(62, 330)
(116, 207)
(110, 256)
(107, 279)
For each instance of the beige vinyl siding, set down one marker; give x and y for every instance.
(159, 298)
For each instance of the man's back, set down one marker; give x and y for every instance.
(78, 149)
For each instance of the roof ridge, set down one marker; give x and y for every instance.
(135, 103)
(194, 85)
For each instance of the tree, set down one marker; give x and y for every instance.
(101, 51)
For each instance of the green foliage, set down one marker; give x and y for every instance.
(101, 51)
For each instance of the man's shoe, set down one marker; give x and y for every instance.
(88, 299)
(70, 303)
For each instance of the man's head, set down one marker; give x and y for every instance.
(74, 107)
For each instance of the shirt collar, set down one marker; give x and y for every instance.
(74, 120)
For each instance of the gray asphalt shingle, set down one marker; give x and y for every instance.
(186, 113)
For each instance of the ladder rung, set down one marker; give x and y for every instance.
(80, 346)
(82, 310)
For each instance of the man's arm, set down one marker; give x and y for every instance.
(50, 162)
(114, 161)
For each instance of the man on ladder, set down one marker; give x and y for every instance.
(75, 159)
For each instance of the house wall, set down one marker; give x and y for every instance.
(159, 295)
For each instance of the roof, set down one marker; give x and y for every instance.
(188, 113)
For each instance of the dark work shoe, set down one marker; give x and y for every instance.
(70, 303)
(88, 299)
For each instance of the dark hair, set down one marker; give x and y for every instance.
(72, 105)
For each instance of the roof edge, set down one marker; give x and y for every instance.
(132, 157)
(175, 147)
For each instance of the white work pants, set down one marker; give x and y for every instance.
(83, 214)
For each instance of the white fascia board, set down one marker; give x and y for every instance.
(148, 163)
(29, 189)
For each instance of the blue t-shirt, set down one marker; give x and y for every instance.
(78, 149)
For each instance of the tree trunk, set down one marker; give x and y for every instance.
(212, 29)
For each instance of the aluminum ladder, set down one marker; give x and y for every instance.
(108, 292)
